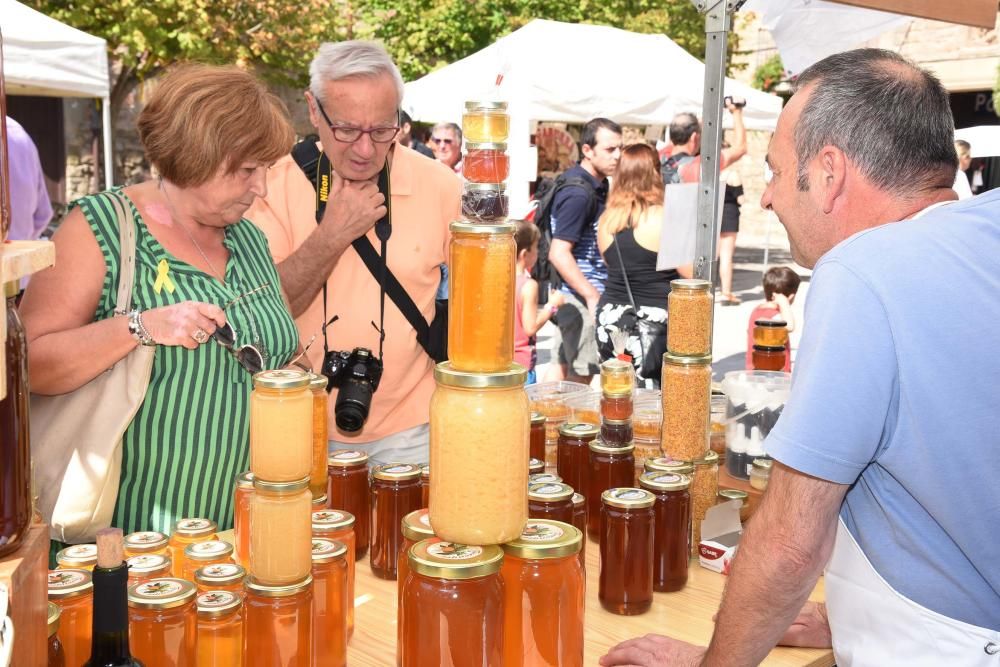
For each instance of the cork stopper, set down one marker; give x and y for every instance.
(110, 548)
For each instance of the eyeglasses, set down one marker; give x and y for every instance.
(249, 356)
(441, 140)
(348, 134)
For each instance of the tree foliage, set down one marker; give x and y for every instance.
(769, 74)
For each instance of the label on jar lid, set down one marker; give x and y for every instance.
(347, 455)
(543, 478)
(541, 532)
(331, 518)
(579, 429)
(216, 600)
(80, 552)
(147, 562)
(195, 525)
(222, 571)
(210, 549)
(160, 588)
(628, 498)
(64, 579)
(144, 538)
(323, 547)
(550, 491)
(452, 551)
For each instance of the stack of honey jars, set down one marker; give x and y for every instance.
(770, 346)
(485, 165)
(687, 389)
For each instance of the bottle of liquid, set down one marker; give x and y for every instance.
(109, 643)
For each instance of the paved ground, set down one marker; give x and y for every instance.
(729, 345)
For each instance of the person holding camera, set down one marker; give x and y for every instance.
(334, 209)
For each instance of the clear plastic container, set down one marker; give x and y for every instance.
(585, 407)
(755, 402)
(551, 399)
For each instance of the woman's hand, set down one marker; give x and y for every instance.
(188, 323)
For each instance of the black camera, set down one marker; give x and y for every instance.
(737, 102)
(356, 374)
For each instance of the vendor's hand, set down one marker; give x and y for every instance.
(353, 207)
(556, 299)
(188, 323)
(810, 629)
(654, 651)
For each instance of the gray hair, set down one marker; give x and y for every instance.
(342, 60)
(891, 118)
(449, 126)
(682, 127)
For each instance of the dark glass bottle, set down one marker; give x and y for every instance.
(15, 460)
(109, 641)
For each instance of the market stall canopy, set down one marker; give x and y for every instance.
(548, 75)
(45, 57)
(984, 139)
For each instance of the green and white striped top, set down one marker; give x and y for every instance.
(191, 436)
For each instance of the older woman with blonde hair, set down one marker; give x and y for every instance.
(205, 294)
(635, 295)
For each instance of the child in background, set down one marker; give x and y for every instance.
(528, 317)
(780, 286)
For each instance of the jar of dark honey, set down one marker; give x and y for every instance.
(626, 579)
(550, 501)
(671, 529)
(573, 453)
(610, 467)
(348, 489)
(395, 493)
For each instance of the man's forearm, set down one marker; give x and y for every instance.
(573, 276)
(739, 133)
(304, 272)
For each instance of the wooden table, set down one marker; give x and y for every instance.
(685, 615)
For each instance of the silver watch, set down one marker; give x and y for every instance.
(137, 330)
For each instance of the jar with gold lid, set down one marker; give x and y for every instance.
(73, 592)
(395, 493)
(486, 162)
(147, 566)
(416, 528)
(771, 333)
(760, 473)
(626, 579)
(220, 628)
(573, 453)
(485, 121)
(56, 655)
(349, 491)
(452, 605)
(671, 528)
(77, 557)
(331, 601)
(667, 464)
(536, 448)
(163, 622)
(550, 501)
(221, 577)
(479, 425)
(202, 554)
(617, 377)
(335, 525)
(689, 317)
(146, 542)
(544, 478)
(188, 531)
(481, 297)
(726, 495)
(281, 426)
(687, 390)
(768, 357)
(535, 467)
(617, 432)
(485, 202)
(544, 596)
(280, 530)
(617, 406)
(278, 622)
(425, 485)
(241, 516)
(610, 467)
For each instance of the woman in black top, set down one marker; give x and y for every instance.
(628, 235)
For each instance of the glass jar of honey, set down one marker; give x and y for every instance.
(573, 454)
(610, 468)
(241, 516)
(77, 557)
(543, 596)
(479, 426)
(318, 476)
(485, 121)
(425, 485)
(616, 432)
(536, 440)
(704, 489)
(349, 490)
(689, 318)
(220, 629)
(395, 493)
(725, 495)
(485, 203)
(15, 436)
(616, 407)
(617, 377)
(334, 525)
(280, 530)
(767, 358)
(56, 655)
(188, 531)
(73, 592)
(486, 162)
(551, 501)
(281, 426)
(145, 542)
(147, 566)
(687, 391)
(671, 529)
(760, 473)
(544, 478)
(416, 527)
(221, 577)
(535, 467)
(320, 503)
(481, 297)
(667, 464)
(278, 625)
(452, 605)
(770, 333)
(163, 622)
(202, 554)
(331, 601)
(580, 523)
(626, 579)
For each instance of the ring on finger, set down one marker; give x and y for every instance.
(200, 335)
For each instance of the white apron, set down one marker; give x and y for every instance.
(874, 626)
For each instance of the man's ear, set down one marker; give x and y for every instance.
(833, 172)
(313, 112)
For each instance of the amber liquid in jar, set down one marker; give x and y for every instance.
(544, 597)
(73, 592)
(552, 501)
(222, 577)
(220, 629)
(486, 163)
(281, 426)
(56, 655)
(147, 566)
(770, 333)
(77, 557)
(768, 358)
(687, 390)
(580, 523)
(318, 477)
(330, 603)
(146, 542)
(536, 438)
(425, 486)
(163, 622)
(15, 456)
(280, 532)
(689, 317)
(626, 579)
(610, 468)
(188, 531)
(241, 517)
(671, 529)
(395, 493)
(349, 490)
(279, 624)
(616, 407)
(338, 526)
(448, 617)
(481, 297)
(485, 122)
(204, 554)
(573, 454)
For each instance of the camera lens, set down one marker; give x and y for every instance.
(353, 402)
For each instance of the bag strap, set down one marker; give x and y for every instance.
(394, 289)
(126, 259)
(628, 287)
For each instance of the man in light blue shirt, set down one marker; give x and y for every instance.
(887, 447)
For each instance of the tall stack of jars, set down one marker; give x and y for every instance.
(687, 389)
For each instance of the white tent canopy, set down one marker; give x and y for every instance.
(570, 72)
(45, 57)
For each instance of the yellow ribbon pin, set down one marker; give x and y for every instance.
(162, 278)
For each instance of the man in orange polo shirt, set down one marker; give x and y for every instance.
(354, 97)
